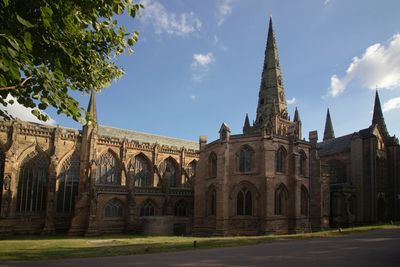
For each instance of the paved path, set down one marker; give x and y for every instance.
(375, 248)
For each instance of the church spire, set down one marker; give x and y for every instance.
(297, 121)
(92, 106)
(296, 116)
(246, 125)
(328, 133)
(271, 100)
(377, 118)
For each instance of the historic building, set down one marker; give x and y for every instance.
(268, 179)
(98, 180)
(363, 173)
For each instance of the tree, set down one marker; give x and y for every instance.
(49, 48)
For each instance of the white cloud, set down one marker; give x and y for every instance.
(167, 22)
(19, 111)
(327, 2)
(193, 97)
(379, 66)
(202, 60)
(291, 101)
(200, 66)
(391, 104)
(224, 9)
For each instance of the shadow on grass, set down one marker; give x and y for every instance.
(20, 248)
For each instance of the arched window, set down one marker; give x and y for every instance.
(304, 199)
(108, 170)
(68, 181)
(337, 172)
(245, 159)
(113, 209)
(191, 172)
(280, 160)
(32, 184)
(181, 209)
(303, 163)
(213, 202)
(244, 202)
(139, 166)
(169, 172)
(212, 165)
(147, 209)
(281, 196)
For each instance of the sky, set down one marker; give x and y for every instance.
(198, 64)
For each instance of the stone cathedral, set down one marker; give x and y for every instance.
(269, 179)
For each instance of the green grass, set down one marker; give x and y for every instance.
(17, 248)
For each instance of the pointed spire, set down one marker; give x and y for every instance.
(328, 133)
(246, 126)
(247, 121)
(296, 116)
(272, 94)
(377, 118)
(92, 105)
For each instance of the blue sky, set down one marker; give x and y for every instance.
(198, 64)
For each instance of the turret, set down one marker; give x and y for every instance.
(297, 120)
(378, 119)
(328, 133)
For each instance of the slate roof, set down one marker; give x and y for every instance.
(342, 143)
(146, 137)
(336, 145)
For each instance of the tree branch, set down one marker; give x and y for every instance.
(22, 84)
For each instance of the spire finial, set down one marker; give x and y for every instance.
(328, 133)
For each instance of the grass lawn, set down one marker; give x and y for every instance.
(18, 248)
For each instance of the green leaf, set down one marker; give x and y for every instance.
(5, 3)
(24, 21)
(27, 40)
(14, 72)
(46, 13)
(13, 42)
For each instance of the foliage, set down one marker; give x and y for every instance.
(50, 48)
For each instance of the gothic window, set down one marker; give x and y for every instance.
(108, 171)
(181, 209)
(245, 159)
(280, 160)
(213, 202)
(32, 184)
(68, 180)
(113, 209)
(169, 172)
(244, 202)
(337, 172)
(2, 160)
(139, 165)
(212, 165)
(191, 172)
(281, 197)
(304, 199)
(147, 209)
(303, 163)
